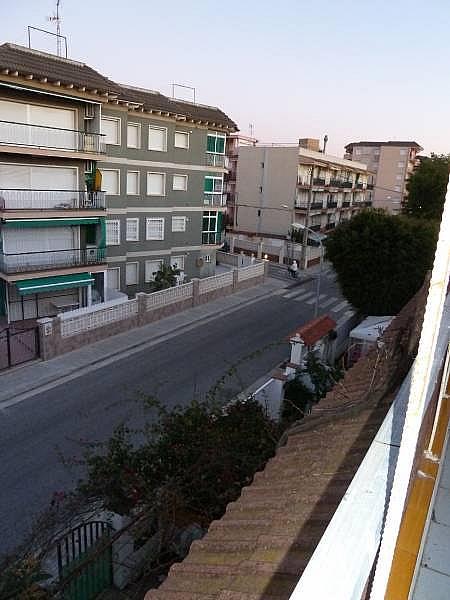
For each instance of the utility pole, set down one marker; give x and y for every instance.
(305, 231)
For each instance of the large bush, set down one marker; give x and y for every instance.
(381, 260)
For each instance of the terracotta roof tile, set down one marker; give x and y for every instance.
(260, 547)
(315, 330)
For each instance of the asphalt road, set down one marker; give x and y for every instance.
(42, 437)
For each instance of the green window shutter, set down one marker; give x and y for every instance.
(220, 223)
(220, 146)
(211, 143)
(209, 184)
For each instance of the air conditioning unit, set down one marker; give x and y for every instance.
(91, 253)
(89, 111)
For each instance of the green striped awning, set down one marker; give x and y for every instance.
(51, 284)
(24, 223)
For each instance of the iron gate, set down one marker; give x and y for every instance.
(84, 553)
(18, 345)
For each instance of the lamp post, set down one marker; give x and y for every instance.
(319, 277)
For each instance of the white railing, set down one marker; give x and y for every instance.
(169, 296)
(100, 318)
(251, 272)
(209, 284)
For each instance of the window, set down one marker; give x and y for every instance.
(215, 142)
(113, 278)
(112, 232)
(133, 135)
(157, 138)
(403, 152)
(209, 227)
(156, 184)
(213, 185)
(131, 273)
(400, 165)
(207, 258)
(111, 130)
(177, 262)
(151, 268)
(181, 139)
(111, 182)
(178, 223)
(132, 230)
(180, 183)
(397, 188)
(155, 228)
(133, 183)
(399, 177)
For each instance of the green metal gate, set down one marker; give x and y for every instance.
(85, 561)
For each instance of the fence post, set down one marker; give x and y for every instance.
(195, 291)
(235, 279)
(48, 330)
(266, 269)
(141, 298)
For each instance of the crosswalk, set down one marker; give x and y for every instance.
(338, 308)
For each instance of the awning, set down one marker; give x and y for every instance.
(51, 284)
(25, 223)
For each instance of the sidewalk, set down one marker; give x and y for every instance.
(29, 377)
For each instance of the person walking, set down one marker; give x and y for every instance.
(293, 269)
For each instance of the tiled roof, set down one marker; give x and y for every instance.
(42, 65)
(315, 330)
(260, 547)
(157, 101)
(409, 144)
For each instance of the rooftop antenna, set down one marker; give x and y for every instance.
(251, 129)
(56, 18)
(325, 140)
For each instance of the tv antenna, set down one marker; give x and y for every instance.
(56, 18)
(251, 129)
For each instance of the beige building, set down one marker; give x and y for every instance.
(234, 142)
(393, 163)
(278, 185)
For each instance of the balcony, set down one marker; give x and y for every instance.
(319, 181)
(214, 199)
(335, 183)
(50, 138)
(346, 184)
(332, 204)
(312, 206)
(51, 200)
(345, 203)
(370, 186)
(315, 227)
(216, 160)
(368, 203)
(213, 238)
(50, 260)
(359, 186)
(330, 225)
(303, 183)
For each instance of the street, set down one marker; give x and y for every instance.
(42, 435)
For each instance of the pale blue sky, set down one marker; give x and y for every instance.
(354, 69)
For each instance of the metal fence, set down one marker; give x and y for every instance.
(18, 346)
(50, 199)
(38, 261)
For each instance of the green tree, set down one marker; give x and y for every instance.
(381, 260)
(427, 188)
(165, 278)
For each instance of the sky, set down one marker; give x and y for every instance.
(351, 69)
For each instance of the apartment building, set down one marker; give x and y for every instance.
(234, 142)
(100, 184)
(393, 163)
(278, 185)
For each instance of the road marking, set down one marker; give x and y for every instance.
(340, 306)
(328, 302)
(296, 293)
(304, 297)
(342, 321)
(314, 299)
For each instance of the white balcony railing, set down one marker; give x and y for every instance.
(216, 160)
(214, 199)
(52, 259)
(51, 200)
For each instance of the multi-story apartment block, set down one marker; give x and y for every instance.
(234, 142)
(100, 184)
(392, 163)
(278, 185)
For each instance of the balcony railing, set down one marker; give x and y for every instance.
(216, 160)
(331, 225)
(214, 199)
(345, 203)
(319, 181)
(335, 183)
(370, 186)
(51, 200)
(304, 205)
(332, 204)
(316, 204)
(315, 227)
(213, 238)
(53, 138)
(368, 203)
(359, 186)
(346, 184)
(52, 259)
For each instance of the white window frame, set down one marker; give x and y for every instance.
(116, 240)
(118, 277)
(164, 183)
(138, 183)
(215, 178)
(152, 237)
(178, 218)
(218, 135)
(139, 136)
(185, 179)
(127, 282)
(118, 120)
(187, 134)
(128, 237)
(152, 278)
(207, 258)
(179, 260)
(158, 128)
(118, 181)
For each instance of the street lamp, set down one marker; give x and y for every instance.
(317, 238)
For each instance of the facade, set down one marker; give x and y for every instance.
(281, 185)
(234, 142)
(100, 184)
(393, 164)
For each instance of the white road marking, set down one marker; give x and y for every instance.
(340, 306)
(328, 302)
(313, 299)
(296, 293)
